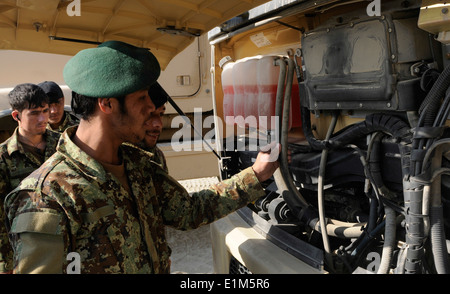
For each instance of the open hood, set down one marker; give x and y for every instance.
(166, 27)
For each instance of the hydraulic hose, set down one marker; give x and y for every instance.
(432, 100)
(376, 122)
(437, 233)
(295, 201)
(283, 107)
(315, 144)
(438, 241)
(433, 114)
(320, 188)
(389, 241)
(280, 92)
(374, 173)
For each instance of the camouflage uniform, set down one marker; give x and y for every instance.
(15, 165)
(70, 120)
(70, 204)
(158, 157)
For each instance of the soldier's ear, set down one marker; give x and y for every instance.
(105, 105)
(16, 115)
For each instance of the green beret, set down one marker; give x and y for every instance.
(113, 69)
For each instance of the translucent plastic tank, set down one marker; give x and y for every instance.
(267, 82)
(253, 93)
(238, 84)
(227, 64)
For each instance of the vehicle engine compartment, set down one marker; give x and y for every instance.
(373, 194)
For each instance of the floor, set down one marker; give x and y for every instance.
(191, 250)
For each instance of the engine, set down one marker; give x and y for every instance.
(369, 183)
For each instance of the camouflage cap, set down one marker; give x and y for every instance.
(113, 69)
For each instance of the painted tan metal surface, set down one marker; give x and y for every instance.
(434, 16)
(164, 26)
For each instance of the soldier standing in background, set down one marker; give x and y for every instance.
(59, 119)
(101, 199)
(155, 125)
(29, 146)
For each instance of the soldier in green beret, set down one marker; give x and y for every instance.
(59, 119)
(100, 202)
(29, 146)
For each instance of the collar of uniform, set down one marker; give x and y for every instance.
(62, 126)
(13, 143)
(85, 163)
(65, 122)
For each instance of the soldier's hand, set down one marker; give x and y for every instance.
(267, 161)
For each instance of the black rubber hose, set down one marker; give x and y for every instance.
(438, 242)
(307, 130)
(433, 99)
(376, 122)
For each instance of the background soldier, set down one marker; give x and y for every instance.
(102, 199)
(155, 125)
(29, 146)
(59, 119)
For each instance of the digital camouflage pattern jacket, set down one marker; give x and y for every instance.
(156, 155)
(70, 120)
(70, 204)
(15, 165)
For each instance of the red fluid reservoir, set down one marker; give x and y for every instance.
(227, 64)
(250, 89)
(238, 84)
(267, 81)
(250, 92)
(268, 76)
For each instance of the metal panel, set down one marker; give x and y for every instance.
(360, 65)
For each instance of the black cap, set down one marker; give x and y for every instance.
(52, 90)
(157, 94)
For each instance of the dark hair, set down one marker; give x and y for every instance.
(53, 91)
(27, 96)
(84, 106)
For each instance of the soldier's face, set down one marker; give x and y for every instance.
(154, 127)
(56, 111)
(34, 121)
(137, 112)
